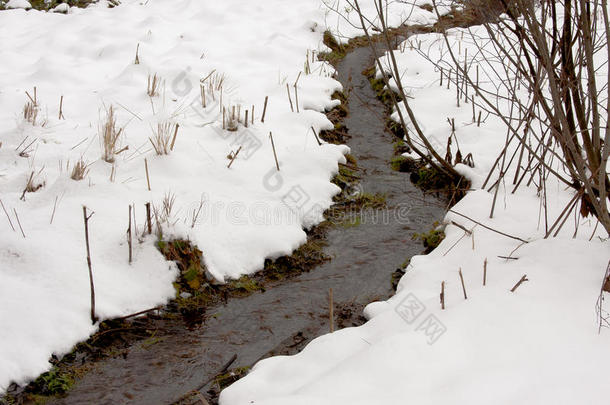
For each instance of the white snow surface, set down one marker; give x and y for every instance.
(250, 212)
(537, 345)
(15, 4)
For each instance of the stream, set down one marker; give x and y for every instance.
(289, 314)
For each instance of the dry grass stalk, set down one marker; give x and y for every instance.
(463, 286)
(264, 109)
(233, 157)
(110, 135)
(86, 219)
(129, 237)
(137, 60)
(25, 151)
(231, 120)
(167, 207)
(521, 281)
(154, 83)
(316, 135)
(148, 220)
(196, 212)
(331, 307)
(147, 175)
(31, 185)
(80, 170)
(277, 164)
(289, 98)
(19, 223)
(162, 138)
(61, 107)
(171, 147)
(7, 216)
(30, 112)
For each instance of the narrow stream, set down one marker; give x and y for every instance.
(284, 318)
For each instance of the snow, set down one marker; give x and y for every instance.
(249, 212)
(539, 344)
(18, 4)
(61, 8)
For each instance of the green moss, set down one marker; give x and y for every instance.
(189, 260)
(305, 258)
(430, 179)
(395, 277)
(338, 134)
(52, 383)
(432, 238)
(245, 285)
(228, 378)
(368, 200)
(400, 147)
(403, 164)
(331, 42)
(351, 159)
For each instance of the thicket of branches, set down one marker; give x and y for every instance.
(545, 73)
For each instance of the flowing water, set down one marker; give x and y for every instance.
(286, 316)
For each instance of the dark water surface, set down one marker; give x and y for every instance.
(285, 317)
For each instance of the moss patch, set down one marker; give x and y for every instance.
(304, 259)
(432, 238)
(339, 133)
(403, 164)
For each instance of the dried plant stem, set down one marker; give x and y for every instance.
(463, 286)
(289, 98)
(19, 223)
(488, 228)
(316, 135)
(147, 176)
(61, 105)
(296, 91)
(148, 219)
(174, 137)
(7, 216)
(521, 281)
(264, 109)
(277, 164)
(485, 272)
(137, 60)
(442, 296)
(331, 308)
(129, 238)
(234, 157)
(91, 285)
(54, 208)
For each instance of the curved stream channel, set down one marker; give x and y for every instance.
(284, 318)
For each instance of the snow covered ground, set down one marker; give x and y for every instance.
(237, 216)
(538, 344)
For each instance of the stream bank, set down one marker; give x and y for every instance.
(160, 358)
